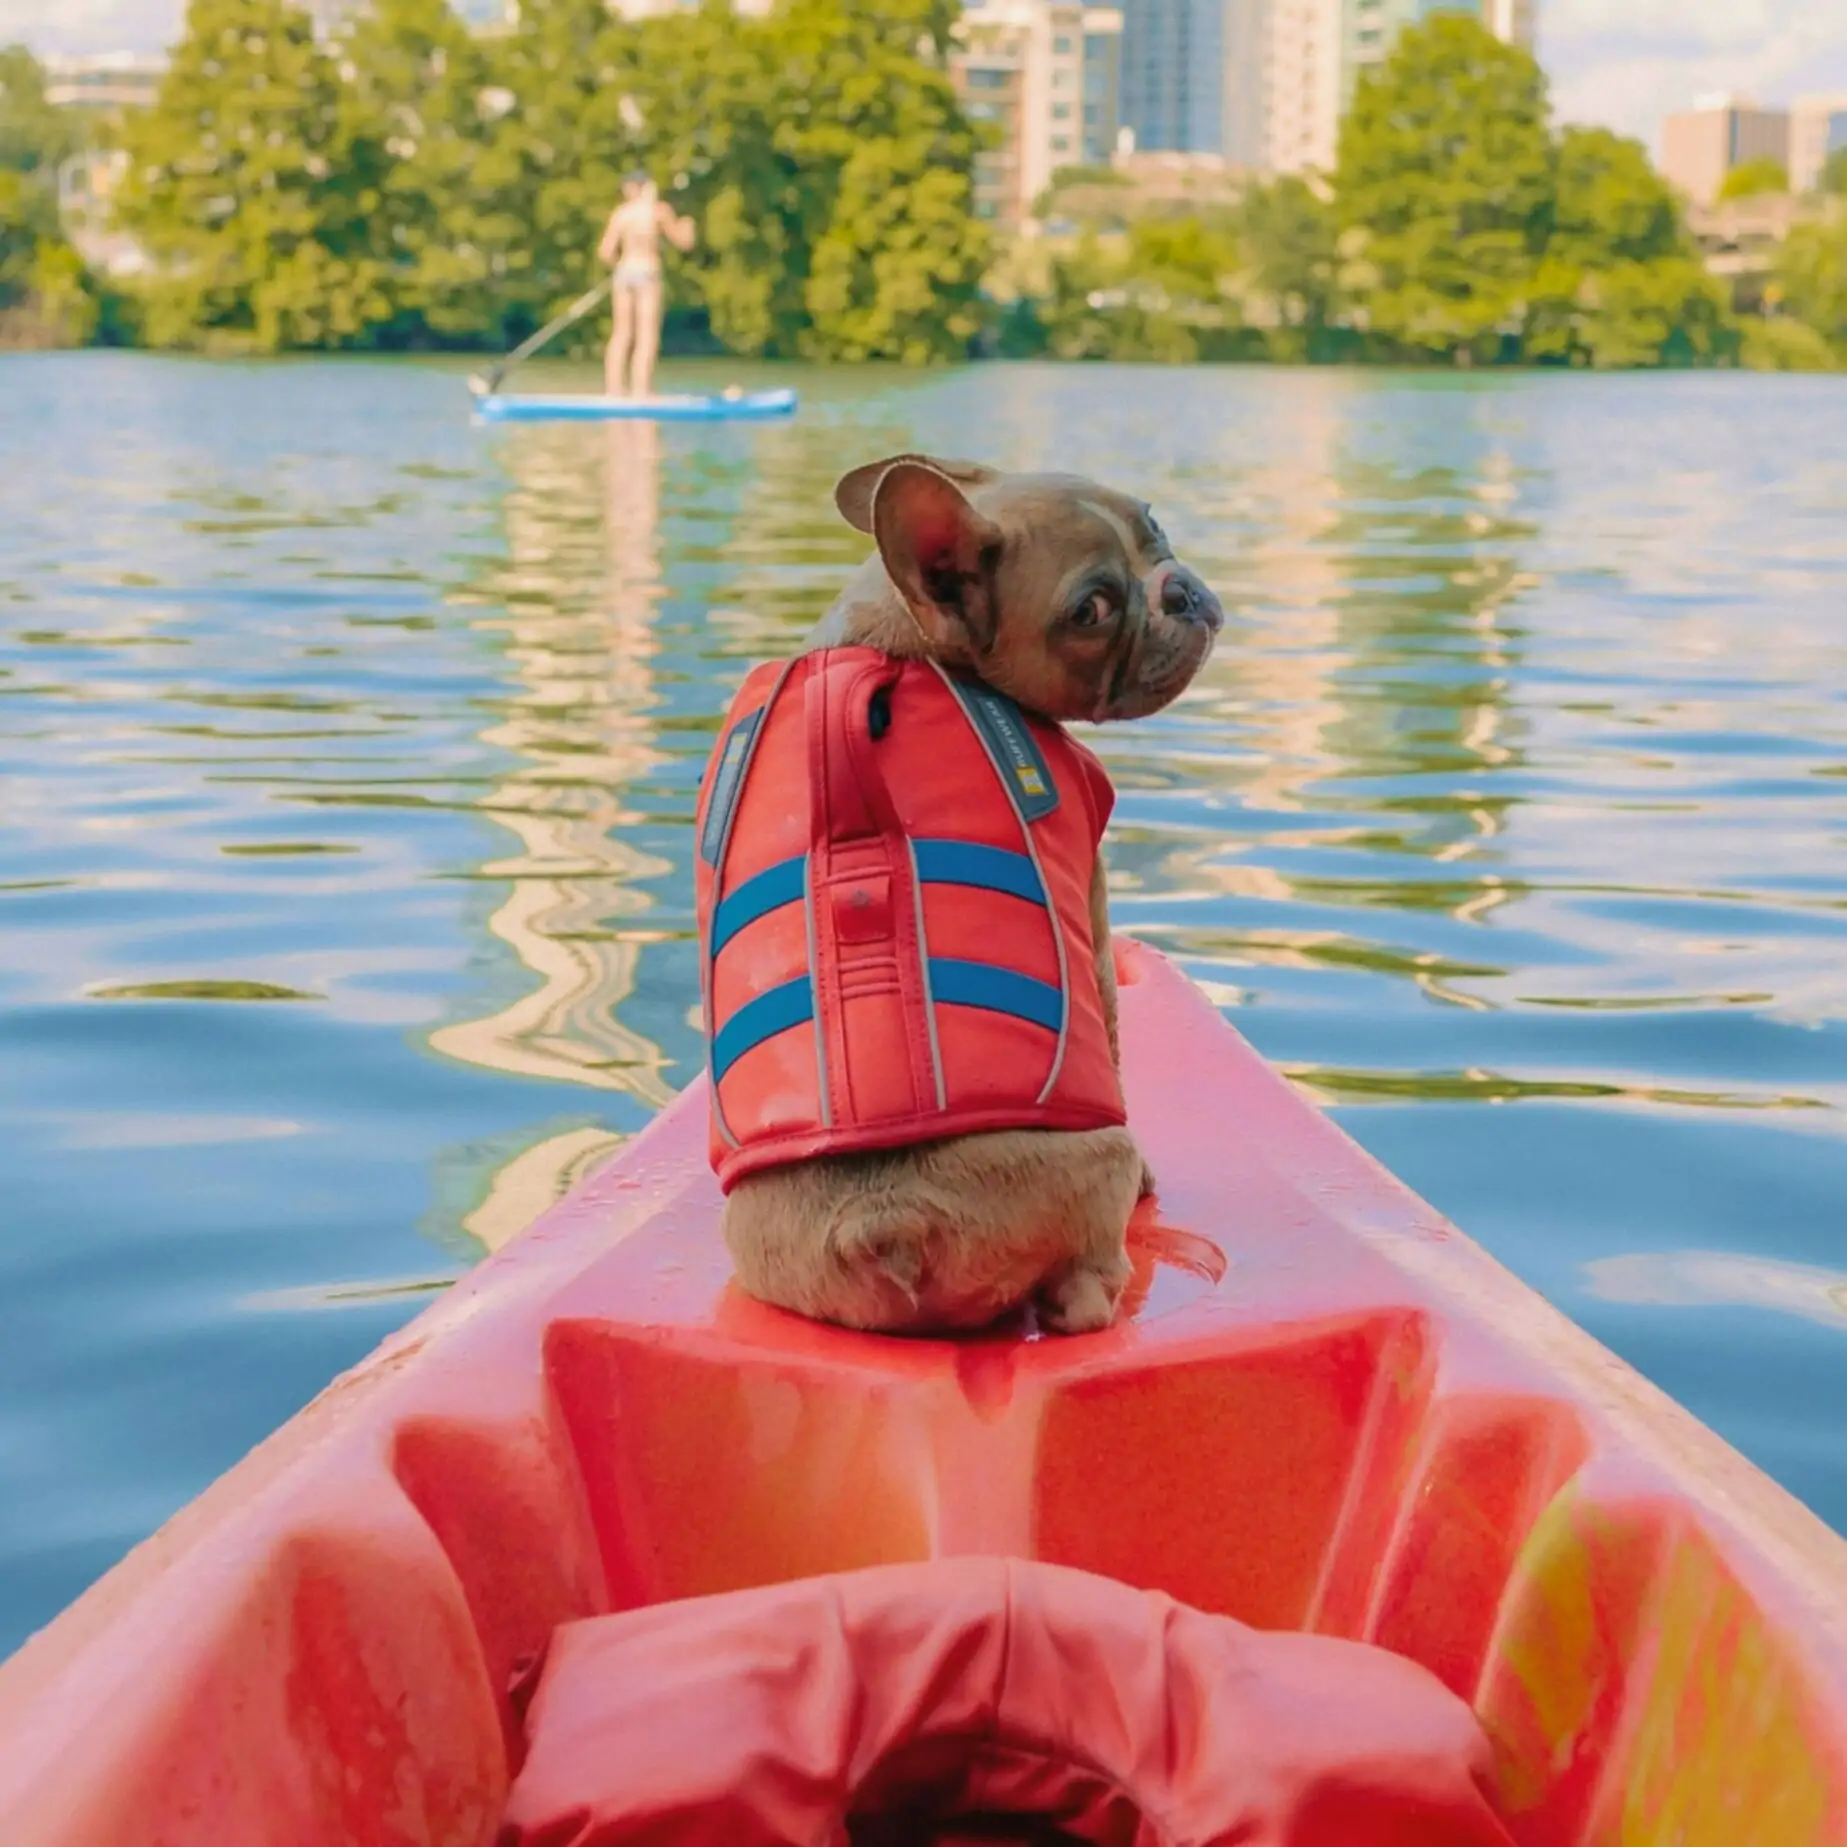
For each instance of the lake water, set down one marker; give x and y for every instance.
(347, 754)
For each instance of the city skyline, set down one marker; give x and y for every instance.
(1625, 63)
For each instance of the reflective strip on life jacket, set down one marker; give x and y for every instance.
(1032, 794)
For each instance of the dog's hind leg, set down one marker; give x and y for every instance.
(1082, 1294)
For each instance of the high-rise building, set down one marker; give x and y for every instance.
(1102, 83)
(1173, 74)
(1241, 97)
(1817, 132)
(1041, 74)
(1301, 70)
(1701, 145)
(1511, 20)
(1291, 67)
(107, 81)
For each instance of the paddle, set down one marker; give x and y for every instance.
(486, 387)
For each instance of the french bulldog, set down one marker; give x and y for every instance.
(1065, 597)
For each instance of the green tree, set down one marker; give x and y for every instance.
(28, 223)
(1785, 345)
(30, 145)
(1610, 205)
(1444, 187)
(1163, 290)
(830, 168)
(868, 118)
(34, 136)
(1811, 276)
(709, 92)
(243, 189)
(1751, 179)
(1621, 282)
(417, 135)
(1669, 312)
(1834, 175)
(820, 150)
(1287, 238)
(45, 295)
(565, 130)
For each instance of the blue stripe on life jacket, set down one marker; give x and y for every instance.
(939, 862)
(996, 990)
(770, 890)
(955, 983)
(966, 862)
(770, 1013)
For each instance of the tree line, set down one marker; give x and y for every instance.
(44, 295)
(1458, 226)
(409, 184)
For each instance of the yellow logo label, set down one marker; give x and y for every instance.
(1029, 780)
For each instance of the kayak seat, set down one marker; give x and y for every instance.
(985, 1699)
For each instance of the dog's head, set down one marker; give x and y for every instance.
(1062, 594)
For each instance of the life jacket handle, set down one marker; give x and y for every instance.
(850, 799)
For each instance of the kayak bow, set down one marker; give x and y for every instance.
(1326, 1411)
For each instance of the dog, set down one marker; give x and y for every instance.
(891, 1158)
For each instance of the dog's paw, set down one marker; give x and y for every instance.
(1078, 1303)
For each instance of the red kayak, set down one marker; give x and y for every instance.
(1342, 1538)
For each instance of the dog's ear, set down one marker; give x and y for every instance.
(940, 553)
(853, 494)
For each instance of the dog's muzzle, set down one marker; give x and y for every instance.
(1178, 594)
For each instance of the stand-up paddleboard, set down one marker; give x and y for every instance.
(492, 405)
(583, 407)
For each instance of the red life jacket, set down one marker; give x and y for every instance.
(986, 1699)
(894, 903)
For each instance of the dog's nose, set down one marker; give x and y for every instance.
(1184, 596)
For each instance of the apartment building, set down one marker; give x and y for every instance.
(1284, 74)
(102, 87)
(1302, 82)
(1102, 84)
(106, 82)
(1513, 21)
(1173, 74)
(1701, 145)
(1041, 74)
(1817, 132)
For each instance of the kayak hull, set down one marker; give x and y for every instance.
(746, 407)
(1328, 1411)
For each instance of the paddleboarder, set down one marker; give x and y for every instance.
(631, 247)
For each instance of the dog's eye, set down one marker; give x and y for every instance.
(1098, 610)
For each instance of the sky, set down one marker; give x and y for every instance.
(1625, 63)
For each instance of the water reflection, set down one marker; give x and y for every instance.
(1721, 1279)
(1367, 686)
(577, 601)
